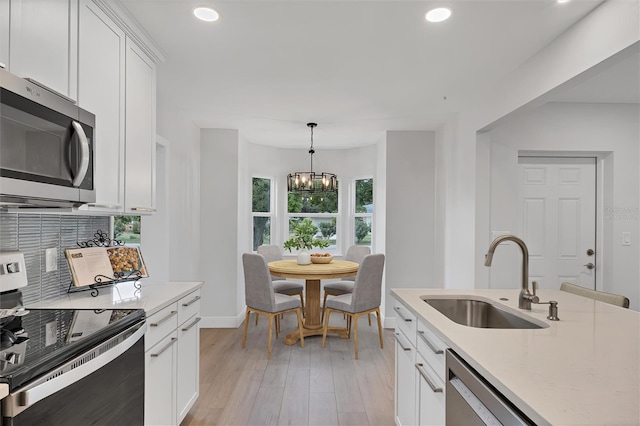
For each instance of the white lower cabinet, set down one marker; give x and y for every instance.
(405, 386)
(420, 371)
(160, 386)
(172, 361)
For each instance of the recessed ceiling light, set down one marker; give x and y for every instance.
(438, 15)
(563, 1)
(206, 14)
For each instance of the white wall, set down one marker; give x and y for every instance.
(410, 211)
(219, 227)
(610, 28)
(171, 238)
(610, 130)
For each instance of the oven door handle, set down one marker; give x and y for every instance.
(39, 390)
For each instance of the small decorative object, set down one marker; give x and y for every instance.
(303, 239)
(321, 258)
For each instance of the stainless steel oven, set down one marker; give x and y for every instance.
(46, 146)
(73, 367)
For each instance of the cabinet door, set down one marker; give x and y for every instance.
(405, 389)
(4, 33)
(188, 366)
(431, 406)
(44, 44)
(160, 385)
(101, 91)
(140, 126)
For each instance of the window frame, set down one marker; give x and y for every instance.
(353, 215)
(271, 214)
(336, 250)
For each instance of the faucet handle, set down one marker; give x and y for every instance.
(534, 285)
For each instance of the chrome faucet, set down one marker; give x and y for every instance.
(526, 298)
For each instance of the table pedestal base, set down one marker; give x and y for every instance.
(293, 337)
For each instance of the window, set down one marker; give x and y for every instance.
(261, 207)
(321, 208)
(363, 212)
(127, 229)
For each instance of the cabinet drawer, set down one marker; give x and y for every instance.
(432, 348)
(188, 306)
(160, 324)
(405, 321)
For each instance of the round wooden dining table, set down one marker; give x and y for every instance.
(312, 274)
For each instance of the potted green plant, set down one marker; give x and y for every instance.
(303, 239)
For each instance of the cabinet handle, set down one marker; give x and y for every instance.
(167, 346)
(197, 320)
(397, 309)
(431, 345)
(143, 209)
(404, 348)
(191, 302)
(157, 323)
(425, 375)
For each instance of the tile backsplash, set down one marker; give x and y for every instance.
(32, 234)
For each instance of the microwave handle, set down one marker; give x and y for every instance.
(84, 154)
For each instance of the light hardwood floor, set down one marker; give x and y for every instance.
(298, 386)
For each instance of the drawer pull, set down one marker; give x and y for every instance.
(404, 348)
(197, 320)
(143, 209)
(397, 309)
(167, 346)
(426, 377)
(157, 323)
(191, 302)
(431, 345)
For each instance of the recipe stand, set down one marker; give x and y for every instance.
(102, 240)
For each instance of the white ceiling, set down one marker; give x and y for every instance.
(357, 68)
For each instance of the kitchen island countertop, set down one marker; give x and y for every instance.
(151, 297)
(581, 370)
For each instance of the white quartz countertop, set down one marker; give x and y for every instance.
(151, 297)
(581, 370)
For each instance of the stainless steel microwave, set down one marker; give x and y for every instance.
(47, 147)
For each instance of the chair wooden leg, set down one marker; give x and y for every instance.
(354, 318)
(302, 303)
(369, 318)
(257, 316)
(348, 326)
(298, 313)
(326, 325)
(269, 336)
(277, 325)
(379, 328)
(246, 326)
(324, 304)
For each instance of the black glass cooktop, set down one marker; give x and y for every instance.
(35, 341)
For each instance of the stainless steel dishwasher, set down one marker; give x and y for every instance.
(471, 400)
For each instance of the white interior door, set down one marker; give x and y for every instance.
(557, 215)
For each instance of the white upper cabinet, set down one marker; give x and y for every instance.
(43, 43)
(4, 32)
(101, 90)
(140, 125)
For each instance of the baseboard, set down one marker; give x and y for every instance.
(222, 322)
(235, 322)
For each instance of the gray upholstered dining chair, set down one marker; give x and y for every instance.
(613, 299)
(280, 285)
(366, 298)
(261, 299)
(345, 286)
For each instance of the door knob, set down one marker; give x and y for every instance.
(590, 266)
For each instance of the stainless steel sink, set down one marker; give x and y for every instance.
(478, 313)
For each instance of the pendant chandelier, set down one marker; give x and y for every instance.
(310, 182)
